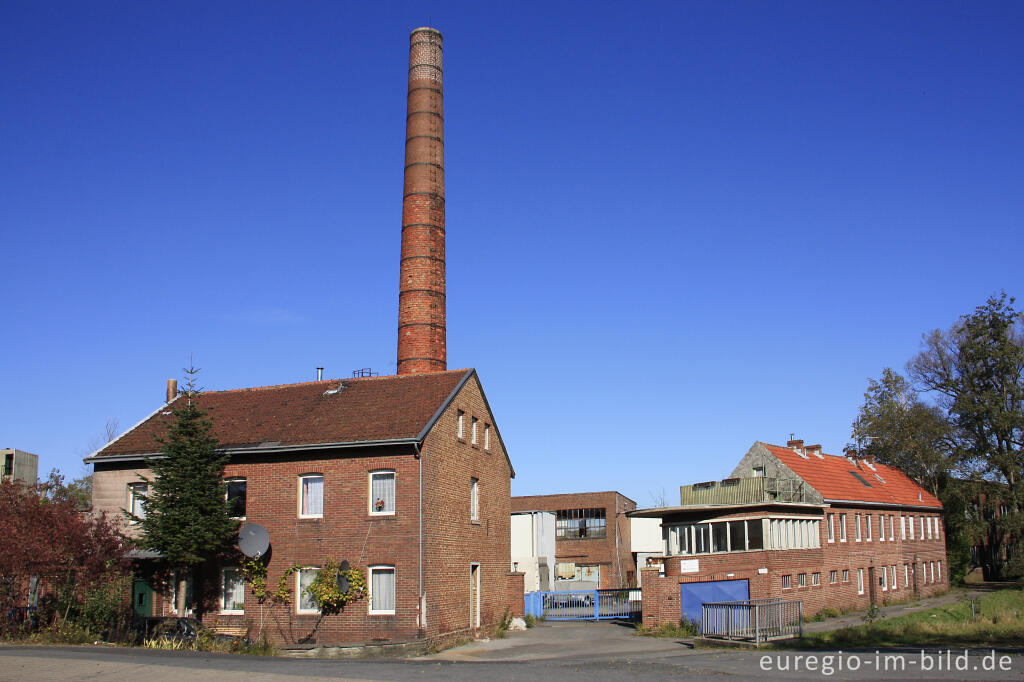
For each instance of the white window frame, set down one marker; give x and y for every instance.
(833, 577)
(831, 528)
(460, 424)
(892, 577)
(298, 589)
(867, 538)
(860, 581)
(892, 528)
(369, 492)
(856, 520)
(135, 498)
(323, 483)
(474, 499)
(938, 567)
(937, 520)
(236, 479)
(473, 421)
(922, 527)
(903, 527)
(885, 578)
(846, 575)
(787, 582)
(380, 568)
(487, 436)
(906, 575)
(842, 528)
(910, 522)
(801, 580)
(223, 595)
(815, 579)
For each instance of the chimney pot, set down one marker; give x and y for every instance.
(319, 373)
(172, 389)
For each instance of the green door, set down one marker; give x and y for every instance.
(142, 598)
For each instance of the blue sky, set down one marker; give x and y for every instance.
(673, 228)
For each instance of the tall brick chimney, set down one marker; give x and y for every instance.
(421, 293)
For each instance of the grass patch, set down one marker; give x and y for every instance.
(684, 629)
(998, 620)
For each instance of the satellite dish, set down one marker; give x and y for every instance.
(253, 540)
(343, 583)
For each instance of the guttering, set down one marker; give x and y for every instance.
(887, 505)
(256, 449)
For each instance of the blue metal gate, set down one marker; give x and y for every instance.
(584, 604)
(693, 595)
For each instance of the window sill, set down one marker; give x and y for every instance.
(475, 522)
(380, 613)
(310, 516)
(232, 613)
(307, 612)
(385, 514)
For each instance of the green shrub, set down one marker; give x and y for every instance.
(530, 619)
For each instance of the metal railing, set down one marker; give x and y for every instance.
(753, 620)
(745, 491)
(585, 604)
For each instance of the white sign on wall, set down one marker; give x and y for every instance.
(689, 565)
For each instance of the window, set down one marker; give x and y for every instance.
(922, 528)
(932, 563)
(755, 534)
(856, 518)
(831, 529)
(311, 493)
(842, 528)
(236, 497)
(883, 579)
(801, 580)
(892, 576)
(860, 581)
(382, 589)
(786, 581)
(757, 472)
(305, 602)
(906, 575)
(833, 577)
(487, 436)
(719, 537)
(580, 523)
(936, 527)
(459, 427)
(382, 492)
(910, 522)
(892, 527)
(136, 493)
(903, 528)
(869, 528)
(938, 568)
(846, 575)
(472, 430)
(474, 499)
(232, 591)
(815, 578)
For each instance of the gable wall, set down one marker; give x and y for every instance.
(452, 540)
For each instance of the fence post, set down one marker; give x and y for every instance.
(757, 623)
(800, 615)
(597, 605)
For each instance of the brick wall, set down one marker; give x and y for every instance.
(516, 603)
(612, 553)
(455, 542)
(765, 569)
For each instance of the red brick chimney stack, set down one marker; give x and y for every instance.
(421, 294)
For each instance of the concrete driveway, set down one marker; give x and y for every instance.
(550, 640)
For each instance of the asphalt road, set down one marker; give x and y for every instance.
(552, 651)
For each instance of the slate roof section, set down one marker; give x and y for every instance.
(370, 409)
(834, 478)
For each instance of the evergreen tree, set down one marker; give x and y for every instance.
(187, 516)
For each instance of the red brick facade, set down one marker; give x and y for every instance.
(612, 552)
(916, 560)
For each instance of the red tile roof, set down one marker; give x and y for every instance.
(834, 478)
(366, 409)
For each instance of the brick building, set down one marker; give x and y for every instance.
(406, 477)
(592, 538)
(795, 523)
